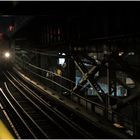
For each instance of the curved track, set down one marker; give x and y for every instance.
(42, 119)
(77, 125)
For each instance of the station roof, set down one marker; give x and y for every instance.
(116, 12)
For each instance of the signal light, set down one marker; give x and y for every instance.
(10, 28)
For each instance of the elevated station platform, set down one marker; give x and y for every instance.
(4, 132)
(7, 130)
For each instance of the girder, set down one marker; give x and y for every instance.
(87, 77)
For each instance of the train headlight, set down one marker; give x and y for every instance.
(6, 54)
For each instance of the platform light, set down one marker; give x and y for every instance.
(7, 54)
(95, 56)
(121, 53)
(63, 54)
(61, 61)
(118, 125)
(131, 53)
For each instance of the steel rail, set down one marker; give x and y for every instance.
(54, 110)
(16, 110)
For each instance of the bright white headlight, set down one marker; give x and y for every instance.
(7, 54)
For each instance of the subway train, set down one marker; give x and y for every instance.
(5, 52)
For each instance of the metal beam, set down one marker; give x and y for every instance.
(86, 76)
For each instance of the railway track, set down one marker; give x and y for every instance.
(78, 123)
(42, 120)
